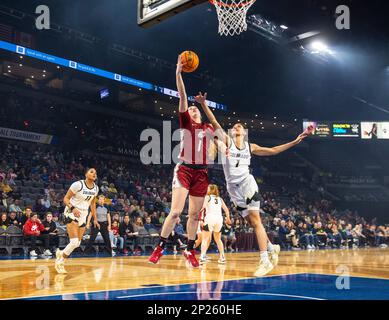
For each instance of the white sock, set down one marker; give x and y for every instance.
(270, 247)
(264, 256)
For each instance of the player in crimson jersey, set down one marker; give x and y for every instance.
(190, 174)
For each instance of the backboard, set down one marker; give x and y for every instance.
(151, 12)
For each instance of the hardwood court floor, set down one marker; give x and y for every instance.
(37, 278)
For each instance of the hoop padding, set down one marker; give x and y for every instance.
(232, 15)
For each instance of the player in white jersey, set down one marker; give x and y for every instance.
(80, 197)
(241, 185)
(212, 222)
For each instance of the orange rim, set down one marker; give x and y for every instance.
(222, 4)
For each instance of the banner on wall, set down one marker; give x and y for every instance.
(25, 136)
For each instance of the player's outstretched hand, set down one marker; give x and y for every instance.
(300, 137)
(200, 98)
(179, 65)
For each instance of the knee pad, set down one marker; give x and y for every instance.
(74, 243)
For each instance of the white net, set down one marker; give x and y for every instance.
(232, 15)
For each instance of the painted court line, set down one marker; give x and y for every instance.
(227, 292)
(160, 286)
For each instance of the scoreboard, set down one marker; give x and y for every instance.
(348, 129)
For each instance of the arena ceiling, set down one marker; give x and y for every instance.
(251, 73)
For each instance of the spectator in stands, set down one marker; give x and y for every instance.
(14, 207)
(370, 234)
(283, 234)
(5, 187)
(334, 235)
(116, 217)
(154, 218)
(142, 212)
(3, 199)
(4, 223)
(246, 228)
(26, 216)
(178, 236)
(162, 218)
(380, 237)
(321, 235)
(126, 231)
(347, 235)
(149, 226)
(112, 191)
(46, 203)
(57, 221)
(228, 236)
(139, 229)
(138, 226)
(49, 234)
(359, 238)
(32, 231)
(117, 238)
(238, 228)
(13, 220)
(305, 236)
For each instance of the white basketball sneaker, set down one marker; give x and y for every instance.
(33, 253)
(59, 263)
(274, 254)
(264, 268)
(203, 260)
(222, 260)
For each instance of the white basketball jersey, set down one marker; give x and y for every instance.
(83, 196)
(214, 206)
(237, 165)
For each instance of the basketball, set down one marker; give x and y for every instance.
(309, 130)
(190, 61)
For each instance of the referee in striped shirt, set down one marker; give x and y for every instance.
(103, 225)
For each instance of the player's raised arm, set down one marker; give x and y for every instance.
(263, 151)
(181, 87)
(220, 133)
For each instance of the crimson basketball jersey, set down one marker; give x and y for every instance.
(195, 139)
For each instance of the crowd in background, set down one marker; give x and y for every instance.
(35, 177)
(138, 201)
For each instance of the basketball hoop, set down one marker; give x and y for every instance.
(232, 15)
